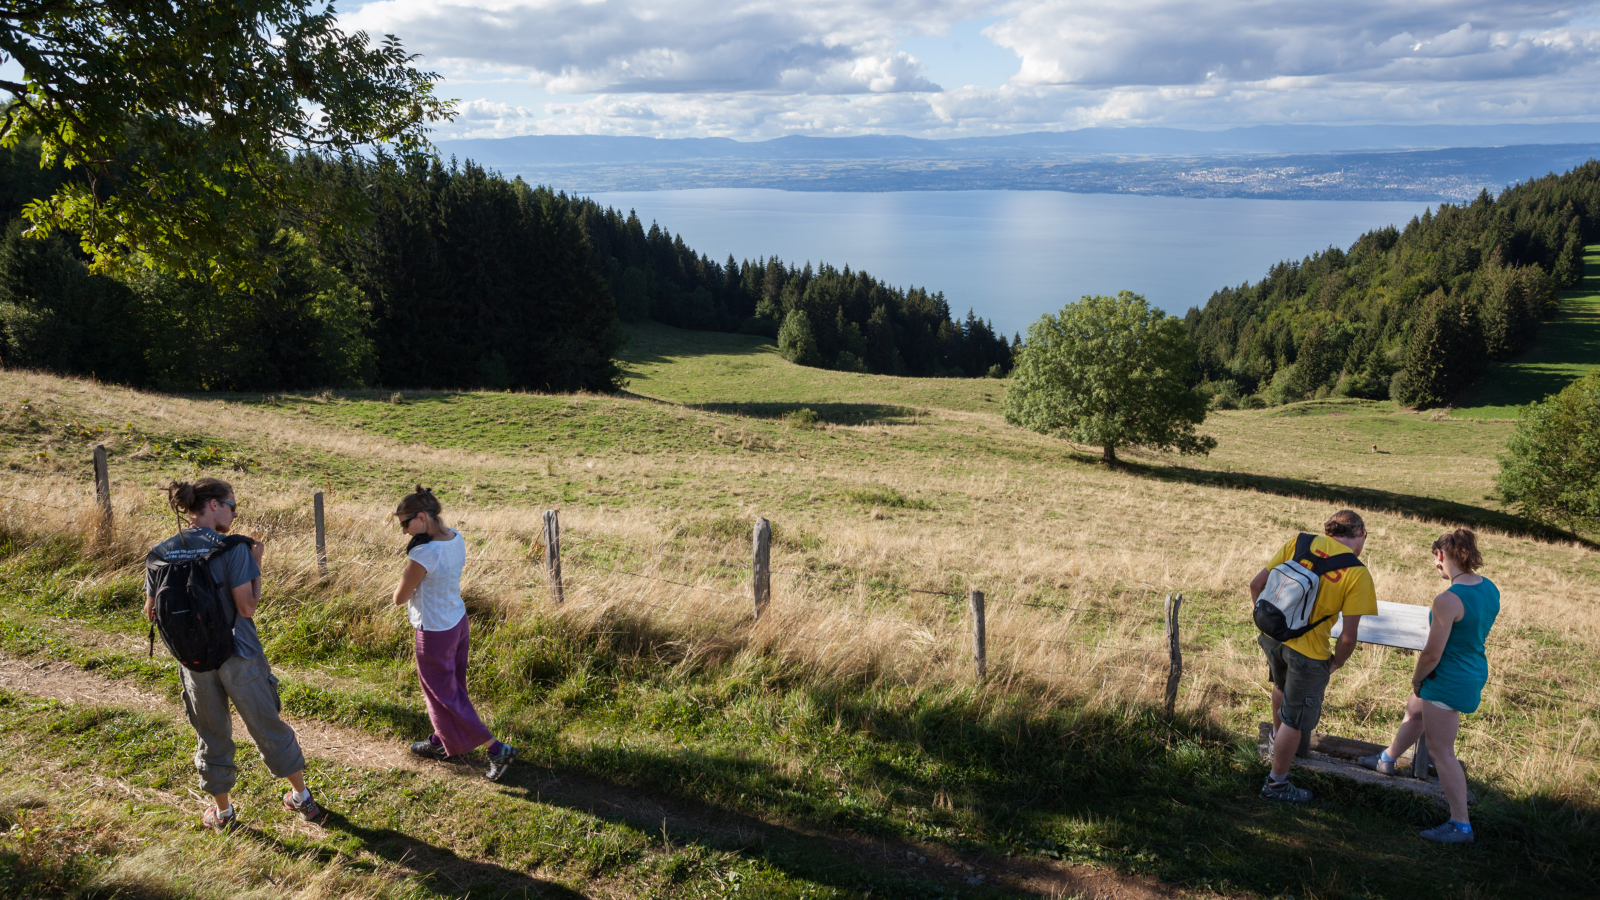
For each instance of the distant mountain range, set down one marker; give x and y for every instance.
(584, 149)
(1444, 162)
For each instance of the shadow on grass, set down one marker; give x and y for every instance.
(656, 344)
(881, 866)
(1128, 790)
(1348, 495)
(446, 871)
(832, 413)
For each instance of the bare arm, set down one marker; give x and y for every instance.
(1447, 611)
(1257, 585)
(409, 580)
(1346, 644)
(246, 597)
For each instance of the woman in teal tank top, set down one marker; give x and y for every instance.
(1450, 675)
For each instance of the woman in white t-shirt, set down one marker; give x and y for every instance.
(430, 588)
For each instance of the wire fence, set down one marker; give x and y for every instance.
(606, 557)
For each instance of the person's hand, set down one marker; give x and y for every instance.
(150, 607)
(257, 548)
(1334, 667)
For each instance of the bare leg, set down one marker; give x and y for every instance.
(1277, 709)
(221, 800)
(1410, 729)
(1284, 747)
(298, 780)
(1442, 725)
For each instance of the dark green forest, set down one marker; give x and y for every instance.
(457, 278)
(822, 316)
(1413, 314)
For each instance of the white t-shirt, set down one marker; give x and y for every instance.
(436, 603)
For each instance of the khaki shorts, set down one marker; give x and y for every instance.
(1302, 680)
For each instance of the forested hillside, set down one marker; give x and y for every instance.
(1414, 314)
(829, 318)
(458, 278)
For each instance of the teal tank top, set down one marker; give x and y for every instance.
(1458, 680)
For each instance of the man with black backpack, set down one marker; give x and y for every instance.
(201, 591)
(1298, 597)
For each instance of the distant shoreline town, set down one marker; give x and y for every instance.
(1291, 164)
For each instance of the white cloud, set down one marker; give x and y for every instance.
(762, 68)
(669, 46)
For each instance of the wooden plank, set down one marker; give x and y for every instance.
(1345, 768)
(1395, 625)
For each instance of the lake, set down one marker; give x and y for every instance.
(1014, 255)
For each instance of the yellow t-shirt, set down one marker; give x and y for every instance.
(1347, 591)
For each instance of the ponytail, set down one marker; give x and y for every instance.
(192, 497)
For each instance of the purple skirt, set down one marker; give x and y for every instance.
(442, 669)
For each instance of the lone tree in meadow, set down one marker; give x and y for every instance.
(1551, 468)
(1110, 372)
(176, 121)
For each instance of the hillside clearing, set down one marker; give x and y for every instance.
(1565, 349)
(851, 708)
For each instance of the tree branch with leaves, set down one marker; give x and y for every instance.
(179, 119)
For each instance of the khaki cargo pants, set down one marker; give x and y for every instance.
(252, 689)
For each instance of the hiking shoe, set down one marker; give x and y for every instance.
(217, 822)
(308, 808)
(1284, 792)
(429, 750)
(1447, 833)
(500, 762)
(1377, 764)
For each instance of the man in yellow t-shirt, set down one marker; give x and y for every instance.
(1300, 667)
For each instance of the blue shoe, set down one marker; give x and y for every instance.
(1447, 833)
(1377, 764)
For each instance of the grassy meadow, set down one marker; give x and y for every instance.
(675, 748)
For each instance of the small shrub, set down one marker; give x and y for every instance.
(804, 417)
(886, 497)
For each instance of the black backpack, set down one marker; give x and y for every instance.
(194, 613)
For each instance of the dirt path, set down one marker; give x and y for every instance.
(679, 820)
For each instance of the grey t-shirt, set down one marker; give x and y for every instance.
(233, 568)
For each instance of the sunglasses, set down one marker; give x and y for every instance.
(231, 504)
(406, 522)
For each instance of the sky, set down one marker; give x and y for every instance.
(759, 69)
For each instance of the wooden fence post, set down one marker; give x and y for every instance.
(102, 492)
(980, 653)
(552, 552)
(322, 533)
(1174, 651)
(761, 566)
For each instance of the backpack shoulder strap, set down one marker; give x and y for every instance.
(1334, 563)
(1302, 547)
(229, 542)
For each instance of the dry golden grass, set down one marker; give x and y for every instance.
(1096, 552)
